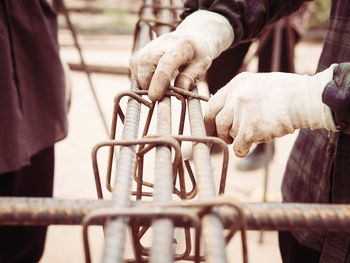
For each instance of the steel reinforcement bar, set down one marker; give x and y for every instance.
(258, 216)
(116, 228)
(213, 234)
(163, 228)
(115, 231)
(209, 215)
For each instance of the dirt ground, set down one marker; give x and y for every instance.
(74, 175)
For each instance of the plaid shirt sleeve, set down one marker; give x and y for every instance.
(337, 96)
(247, 17)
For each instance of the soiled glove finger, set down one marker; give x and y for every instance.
(144, 74)
(168, 64)
(162, 57)
(190, 74)
(242, 145)
(223, 123)
(215, 104)
(154, 66)
(188, 51)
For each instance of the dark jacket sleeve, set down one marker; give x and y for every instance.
(337, 96)
(247, 17)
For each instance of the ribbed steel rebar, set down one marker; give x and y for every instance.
(163, 229)
(46, 211)
(266, 216)
(213, 235)
(296, 216)
(116, 228)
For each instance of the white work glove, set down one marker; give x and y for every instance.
(189, 51)
(257, 107)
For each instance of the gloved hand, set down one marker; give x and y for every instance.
(189, 51)
(257, 107)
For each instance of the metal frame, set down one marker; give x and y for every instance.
(232, 214)
(209, 213)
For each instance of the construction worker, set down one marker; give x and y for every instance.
(257, 107)
(32, 115)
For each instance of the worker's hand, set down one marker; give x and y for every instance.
(185, 53)
(257, 107)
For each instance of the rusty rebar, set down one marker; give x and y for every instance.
(163, 228)
(211, 140)
(84, 66)
(151, 141)
(118, 112)
(114, 245)
(259, 216)
(213, 236)
(188, 93)
(139, 212)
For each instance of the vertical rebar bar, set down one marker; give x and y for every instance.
(163, 229)
(116, 229)
(213, 235)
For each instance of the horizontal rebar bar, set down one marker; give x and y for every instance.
(266, 216)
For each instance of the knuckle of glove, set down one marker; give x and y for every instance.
(244, 76)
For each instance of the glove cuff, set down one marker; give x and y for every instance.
(328, 120)
(210, 27)
(322, 78)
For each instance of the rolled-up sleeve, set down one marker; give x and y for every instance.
(247, 17)
(336, 95)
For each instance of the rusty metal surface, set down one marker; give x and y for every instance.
(201, 208)
(46, 211)
(85, 68)
(258, 216)
(273, 216)
(100, 69)
(140, 212)
(115, 231)
(114, 245)
(117, 112)
(163, 228)
(234, 216)
(213, 236)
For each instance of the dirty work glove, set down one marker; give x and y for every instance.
(257, 107)
(189, 51)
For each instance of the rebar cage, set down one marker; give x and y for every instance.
(178, 196)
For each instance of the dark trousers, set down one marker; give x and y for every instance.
(26, 243)
(293, 252)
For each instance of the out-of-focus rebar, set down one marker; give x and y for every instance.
(84, 66)
(258, 216)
